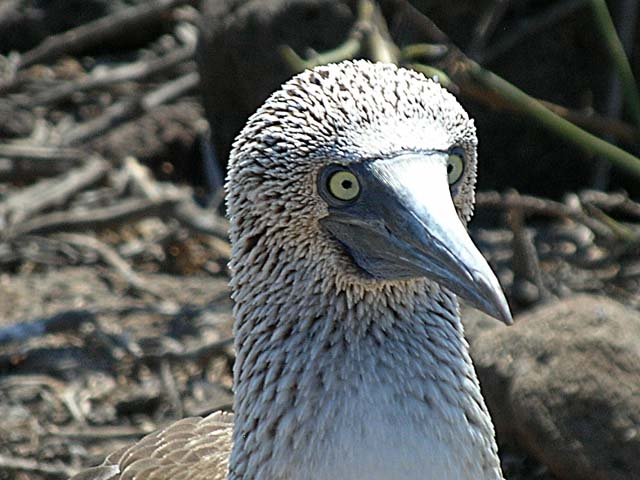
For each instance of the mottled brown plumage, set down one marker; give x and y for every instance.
(193, 448)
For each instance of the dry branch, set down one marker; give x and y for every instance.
(170, 90)
(92, 433)
(110, 117)
(541, 206)
(199, 354)
(61, 322)
(92, 219)
(611, 201)
(200, 220)
(28, 169)
(38, 152)
(27, 162)
(142, 181)
(102, 77)
(41, 250)
(51, 192)
(525, 263)
(128, 109)
(56, 469)
(98, 31)
(112, 259)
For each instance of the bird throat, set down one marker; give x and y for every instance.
(325, 373)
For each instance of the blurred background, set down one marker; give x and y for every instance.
(116, 122)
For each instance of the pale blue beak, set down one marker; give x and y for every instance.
(404, 225)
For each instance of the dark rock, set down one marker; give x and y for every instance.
(238, 56)
(564, 383)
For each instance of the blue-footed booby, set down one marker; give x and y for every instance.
(348, 195)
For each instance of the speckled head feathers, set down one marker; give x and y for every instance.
(352, 111)
(349, 112)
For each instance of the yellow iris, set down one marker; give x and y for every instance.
(344, 185)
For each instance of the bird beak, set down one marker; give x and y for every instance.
(404, 225)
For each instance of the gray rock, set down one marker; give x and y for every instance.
(564, 382)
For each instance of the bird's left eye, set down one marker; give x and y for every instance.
(455, 166)
(343, 185)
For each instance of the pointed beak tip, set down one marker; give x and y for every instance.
(503, 312)
(505, 316)
(490, 297)
(497, 308)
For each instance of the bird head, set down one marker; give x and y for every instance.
(367, 171)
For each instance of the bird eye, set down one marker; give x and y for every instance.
(343, 185)
(455, 165)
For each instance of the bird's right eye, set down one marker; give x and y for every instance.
(343, 185)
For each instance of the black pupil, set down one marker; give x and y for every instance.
(347, 184)
(449, 168)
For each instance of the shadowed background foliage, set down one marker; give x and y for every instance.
(562, 60)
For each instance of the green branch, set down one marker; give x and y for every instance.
(431, 72)
(369, 37)
(619, 57)
(553, 122)
(430, 51)
(346, 51)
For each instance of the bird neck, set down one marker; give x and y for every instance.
(311, 349)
